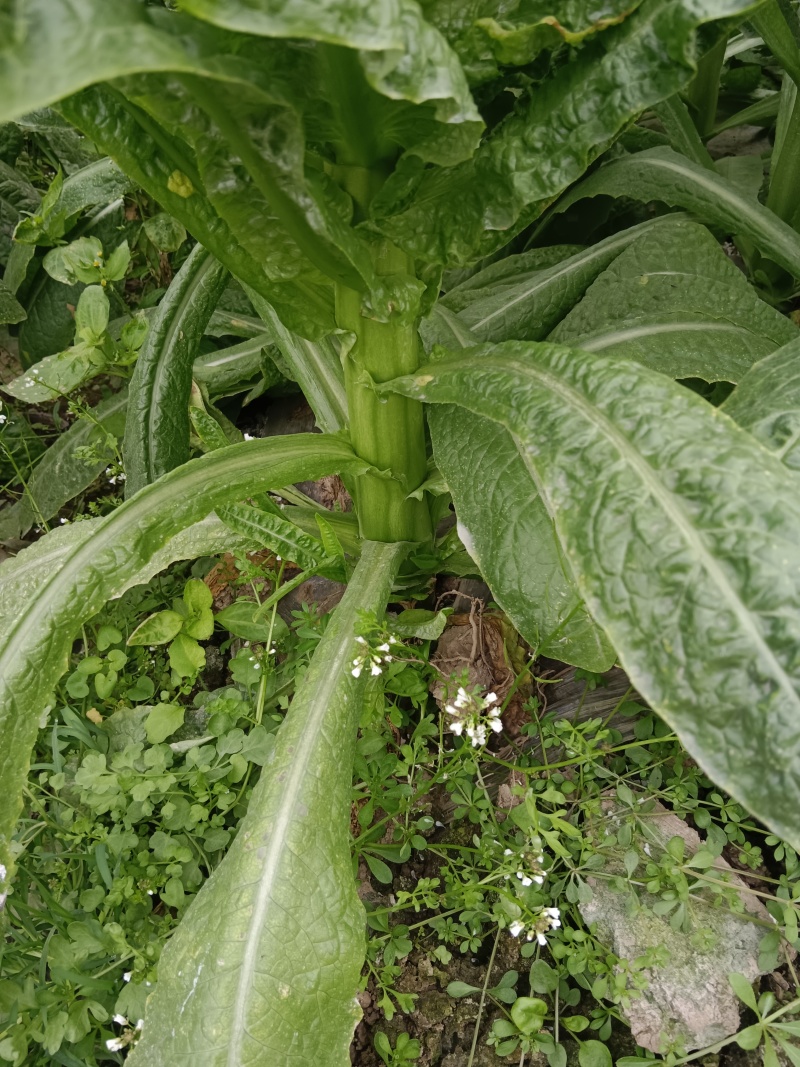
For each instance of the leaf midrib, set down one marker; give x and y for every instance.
(669, 503)
(554, 274)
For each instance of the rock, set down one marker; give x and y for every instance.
(688, 1001)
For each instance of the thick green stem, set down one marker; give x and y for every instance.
(389, 433)
(784, 186)
(703, 91)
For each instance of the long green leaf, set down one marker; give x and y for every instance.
(529, 309)
(232, 370)
(34, 652)
(766, 402)
(275, 532)
(157, 427)
(692, 567)
(60, 475)
(163, 165)
(25, 575)
(507, 530)
(661, 174)
(515, 547)
(556, 130)
(314, 365)
(265, 964)
(675, 302)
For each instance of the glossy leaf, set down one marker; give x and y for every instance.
(692, 568)
(766, 403)
(675, 302)
(486, 35)
(100, 182)
(157, 426)
(526, 310)
(266, 961)
(566, 121)
(34, 650)
(156, 161)
(661, 174)
(401, 54)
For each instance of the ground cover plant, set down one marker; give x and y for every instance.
(540, 303)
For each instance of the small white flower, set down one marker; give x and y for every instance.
(450, 709)
(116, 1044)
(538, 878)
(508, 852)
(120, 1020)
(356, 672)
(516, 928)
(646, 849)
(361, 640)
(490, 698)
(375, 670)
(127, 976)
(541, 939)
(249, 437)
(3, 418)
(497, 726)
(384, 647)
(139, 1024)
(457, 728)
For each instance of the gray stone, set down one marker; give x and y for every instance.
(687, 1002)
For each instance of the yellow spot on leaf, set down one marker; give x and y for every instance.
(180, 184)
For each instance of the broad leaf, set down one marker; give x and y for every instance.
(526, 309)
(157, 426)
(62, 473)
(34, 651)
(265, 964)
(766, 402)
(402, 57)
(693, 569)
(558, 127)
(675, 302)
(661, 174)
(487, 35)
(505, 526)
(163, 165)
(100, 182)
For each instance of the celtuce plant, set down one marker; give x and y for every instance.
(339, 161)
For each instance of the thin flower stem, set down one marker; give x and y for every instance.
(476, 1031)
